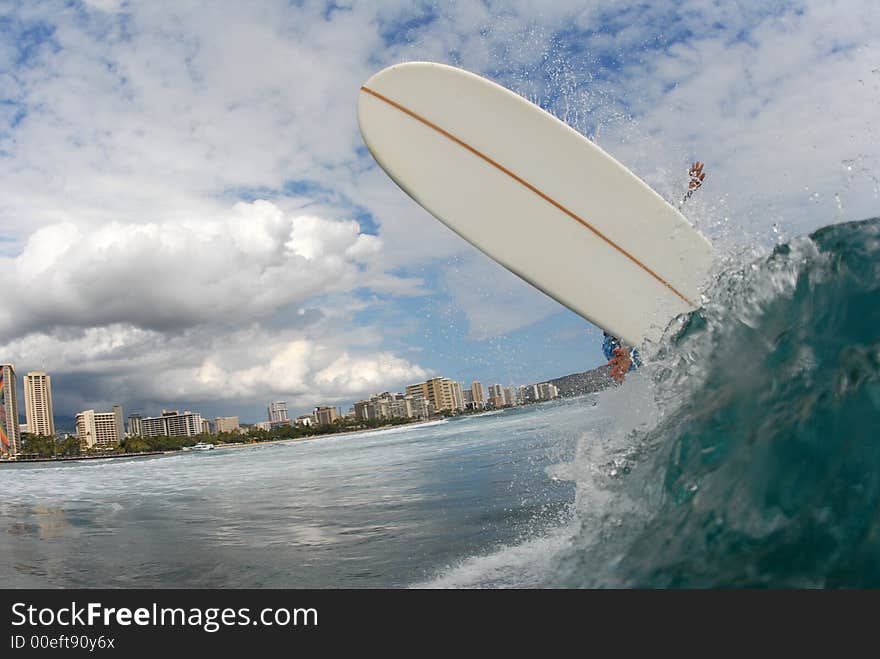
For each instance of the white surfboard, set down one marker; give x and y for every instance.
(536, 196)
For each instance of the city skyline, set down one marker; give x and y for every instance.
(228, 409)
(98, 429)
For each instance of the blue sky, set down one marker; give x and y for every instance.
(189, 219)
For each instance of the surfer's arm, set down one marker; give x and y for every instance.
(620, 363)
(619, 356)
(696, 175)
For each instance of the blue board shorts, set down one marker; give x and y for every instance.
(612, 343)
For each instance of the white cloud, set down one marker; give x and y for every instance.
(299, 369)
(171, 275)
(307, 364)
(351, 375)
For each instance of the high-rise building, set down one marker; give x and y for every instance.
(278, 412)
(325, 415)
(496, 396)
(120, 424)
(228, 424)
(442, 393)
(422, 409)
(386, 406)
(547, 391)
(135, 425)
(173, 424)
(478, 395)
(382, 404)
(419, 390)
(10, 436)
(38, 403)
(97, 430)
(206, 427)
(509, 396)
(403, 407)
(363, 410)
(457, 396)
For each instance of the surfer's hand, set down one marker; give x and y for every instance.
(697, 176)
(620, 364)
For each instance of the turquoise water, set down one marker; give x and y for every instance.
(745, 453)
(764, 469)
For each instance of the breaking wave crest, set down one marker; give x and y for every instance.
(746, 453)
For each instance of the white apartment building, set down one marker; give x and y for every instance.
(38, 403)
(547, 391)
(97, 430)
(478, 395)
(173, 424)
(442, 393)
(325, 415)
(277, 412)
(457, 396)
(135, 425)
(228, 424)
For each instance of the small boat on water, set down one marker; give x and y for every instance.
(201, 446)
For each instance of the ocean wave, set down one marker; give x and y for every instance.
(746, 452)
(759, 461)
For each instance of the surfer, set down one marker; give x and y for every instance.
(621, 358)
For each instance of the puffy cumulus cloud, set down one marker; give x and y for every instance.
(305, 372)
(351, 375)
(300, 369)
(171, 275)
(167, 104)
(112, 349)
(214, 372)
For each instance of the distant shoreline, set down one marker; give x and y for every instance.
(73, 458)
(110, 456)
(325, 435)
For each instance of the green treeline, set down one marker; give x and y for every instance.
(47, 447)
(39, 446)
